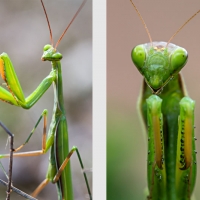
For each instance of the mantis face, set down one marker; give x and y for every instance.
(158, 62)
(50, 54)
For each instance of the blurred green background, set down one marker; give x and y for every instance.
(126, 144)
(23, 33)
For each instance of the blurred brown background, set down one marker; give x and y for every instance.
(126, 147)
(23, 33)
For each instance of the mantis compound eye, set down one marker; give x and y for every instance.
(138, 56)
(46, 47)
(178, 60)
(57, 56)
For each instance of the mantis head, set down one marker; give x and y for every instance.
(50, 54)
(159, 62)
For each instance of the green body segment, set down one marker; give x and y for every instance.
(169, 118)
(58, 133)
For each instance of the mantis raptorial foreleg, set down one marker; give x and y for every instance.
(186, 152)
(185, 158)
(156, 167)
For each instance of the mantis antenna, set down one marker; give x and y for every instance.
(182, 27)
(81, 6)
(145, 26)
(51, 37)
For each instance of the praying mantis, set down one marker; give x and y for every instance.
(168, 114)
(60, 45)
(125, 134)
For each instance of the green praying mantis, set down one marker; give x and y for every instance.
(168, 114)
(59, 171)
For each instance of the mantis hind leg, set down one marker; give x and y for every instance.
(43, 115)
(32, 153)
(59, 172)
